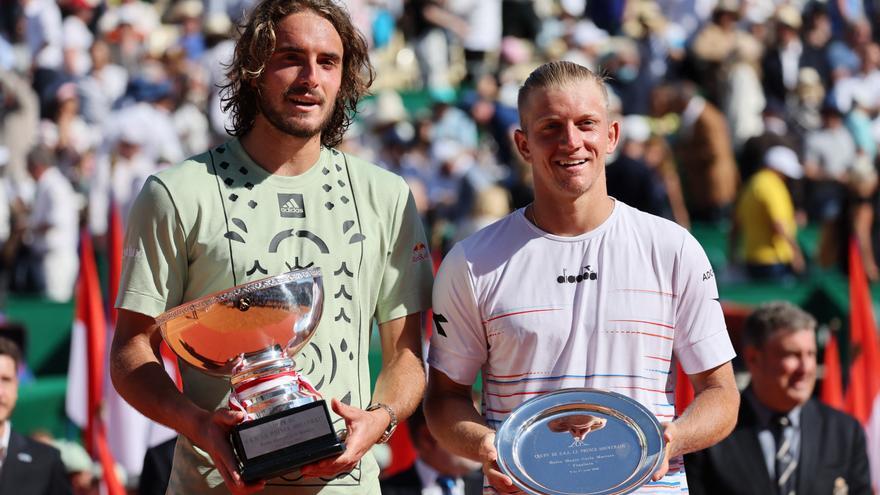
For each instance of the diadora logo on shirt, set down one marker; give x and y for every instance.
(586, 273)
(291, 205)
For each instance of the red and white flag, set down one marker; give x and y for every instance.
(863, 389)
(85, 378)
(684, 390)
(129, 432)
(831, 392)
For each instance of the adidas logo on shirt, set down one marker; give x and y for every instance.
(291, 205)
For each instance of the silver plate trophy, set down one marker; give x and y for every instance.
(251, 333)
(580, 441)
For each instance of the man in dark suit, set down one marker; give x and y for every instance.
(782, 61)
(27, 467)
(435, 471)
(785, 442)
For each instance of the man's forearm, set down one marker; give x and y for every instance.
(709, 418)
(453, 418)
(401, 383)
(140, 378)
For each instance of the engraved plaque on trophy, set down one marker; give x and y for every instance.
(580, 441)
(251, 333)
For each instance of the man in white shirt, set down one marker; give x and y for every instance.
(27, 467)
(53, 225)
(577, 290)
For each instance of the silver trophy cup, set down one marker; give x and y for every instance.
(250, 333)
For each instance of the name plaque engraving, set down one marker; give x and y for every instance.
(289, 430)
(580, 442)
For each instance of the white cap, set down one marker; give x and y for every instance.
(389, 108)
(636, 128)
(586, 33)
(785, 161)
(132, 133)
(446, 150)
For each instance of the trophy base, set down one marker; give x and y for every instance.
(279, 443)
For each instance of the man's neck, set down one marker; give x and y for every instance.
(571, 218)
(279, 153)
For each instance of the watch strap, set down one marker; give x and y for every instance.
(389, 430)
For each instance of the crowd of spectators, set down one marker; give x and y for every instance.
(96, 95)
(754, 117)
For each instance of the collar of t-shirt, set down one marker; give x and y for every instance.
(429, 475)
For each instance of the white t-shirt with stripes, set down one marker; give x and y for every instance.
(612, 309)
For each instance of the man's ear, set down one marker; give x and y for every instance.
(613, 136)
(750, 356)
(522, 144)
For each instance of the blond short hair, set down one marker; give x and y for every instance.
(554, 75)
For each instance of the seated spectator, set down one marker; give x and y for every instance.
(658, 157)
(435, 471)
(628, 177)
(713, 44)
(742, 98)
(829, 154)
(157, 468)
(51, 232)
(765, 219)
(776, 133)
(27, 467)
(491, 204)
(703, 149)
(782, 60)
(785, 441)
(84, 474)
(856, 220)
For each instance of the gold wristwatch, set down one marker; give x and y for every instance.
(391, 426)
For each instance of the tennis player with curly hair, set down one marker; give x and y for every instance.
(274, 198)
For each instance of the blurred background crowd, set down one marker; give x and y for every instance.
(749, 121)
(95, 96)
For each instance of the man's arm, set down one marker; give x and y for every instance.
(400, 386)
(140, 378)
(459, 428)
(709, 418)
(797, 261)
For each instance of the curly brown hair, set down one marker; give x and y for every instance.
(255, 46)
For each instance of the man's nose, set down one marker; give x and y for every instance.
(308, 75)
(569, 137)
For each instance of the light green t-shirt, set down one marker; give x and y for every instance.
(219, 220)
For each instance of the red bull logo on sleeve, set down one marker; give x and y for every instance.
(420, 252)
